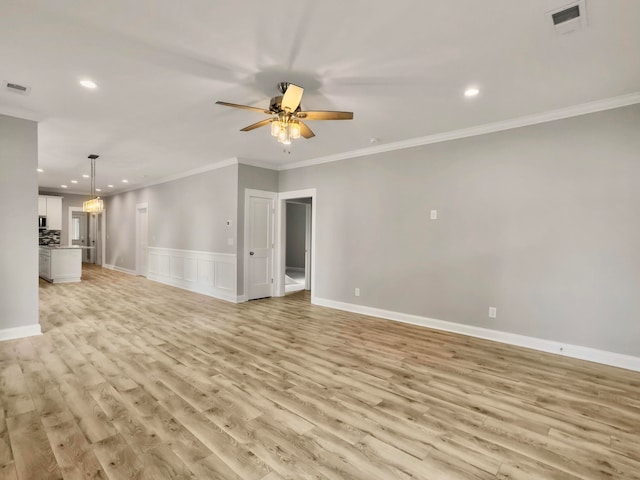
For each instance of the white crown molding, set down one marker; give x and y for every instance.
(21, 113)
(256, 163)
(177, 176)
(565, 349)
(20, 332)
(550, 116)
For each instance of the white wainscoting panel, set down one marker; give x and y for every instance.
(209, 273)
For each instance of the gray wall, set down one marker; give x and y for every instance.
(253, 178)
(68, 200)
(18, 214)
(187, 214)
(542, 222)
(296, 234)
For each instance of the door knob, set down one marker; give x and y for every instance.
(251, 253)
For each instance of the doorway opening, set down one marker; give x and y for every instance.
(296, 233)
(88, 230)
(298, 244)
(79, 233)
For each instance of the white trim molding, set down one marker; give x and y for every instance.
(20, 332)
(565, 349)
(559, 114)
(209, 273)
(281, 238)
(120, 269)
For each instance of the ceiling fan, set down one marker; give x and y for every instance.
(287, 115)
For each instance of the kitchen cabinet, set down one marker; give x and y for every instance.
(61, 264)
(42, 206)
(51, 207)
(45, 263)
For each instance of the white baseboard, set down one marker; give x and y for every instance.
(242, 298)
(20, 332)
(568, 350)
(294, 287)
(120, 269)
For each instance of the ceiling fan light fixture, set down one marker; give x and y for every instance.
(275, 128)
(294, 129)
(287, 115)
(284, 137)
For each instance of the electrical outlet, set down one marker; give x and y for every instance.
(357, 292)
(434, 214)
(493, 312)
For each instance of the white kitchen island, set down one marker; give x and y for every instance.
(61, 264)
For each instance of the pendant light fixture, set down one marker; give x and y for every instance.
(94, 204)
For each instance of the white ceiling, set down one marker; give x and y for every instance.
(401, 66)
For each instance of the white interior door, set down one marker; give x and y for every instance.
(260, 211)
(142, 239)
(91, 254)
(98, 240)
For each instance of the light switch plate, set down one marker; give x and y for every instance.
(434, 214)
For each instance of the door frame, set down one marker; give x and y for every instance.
(103, 230)
(141, 206)
(248, 192)
(281, 238)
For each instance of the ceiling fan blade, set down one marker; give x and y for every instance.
(305, 131)
(325, 115)
(292, 98)
(245, 107)
(259, 124)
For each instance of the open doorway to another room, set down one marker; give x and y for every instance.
(88, 230)
(79, 233)
(95, 238)
(298, 244)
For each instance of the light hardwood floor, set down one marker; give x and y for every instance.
(137, 380)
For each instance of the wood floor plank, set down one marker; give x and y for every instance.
(31, 449)
(117, 458)
(8, 472)
(73, 453)
(138, 380)
(6, 455)
(13, 390)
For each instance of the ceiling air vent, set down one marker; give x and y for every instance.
(569, 18)
(16, 88)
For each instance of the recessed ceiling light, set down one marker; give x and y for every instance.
(98, 189)
(63, 186)
(74, 181)
(84, 175)
(125, 181)
(40, 170)
(110, 186)
(88, 84)
(471, 92)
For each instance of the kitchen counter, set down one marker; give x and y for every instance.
(65, 247)
(61, 263)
